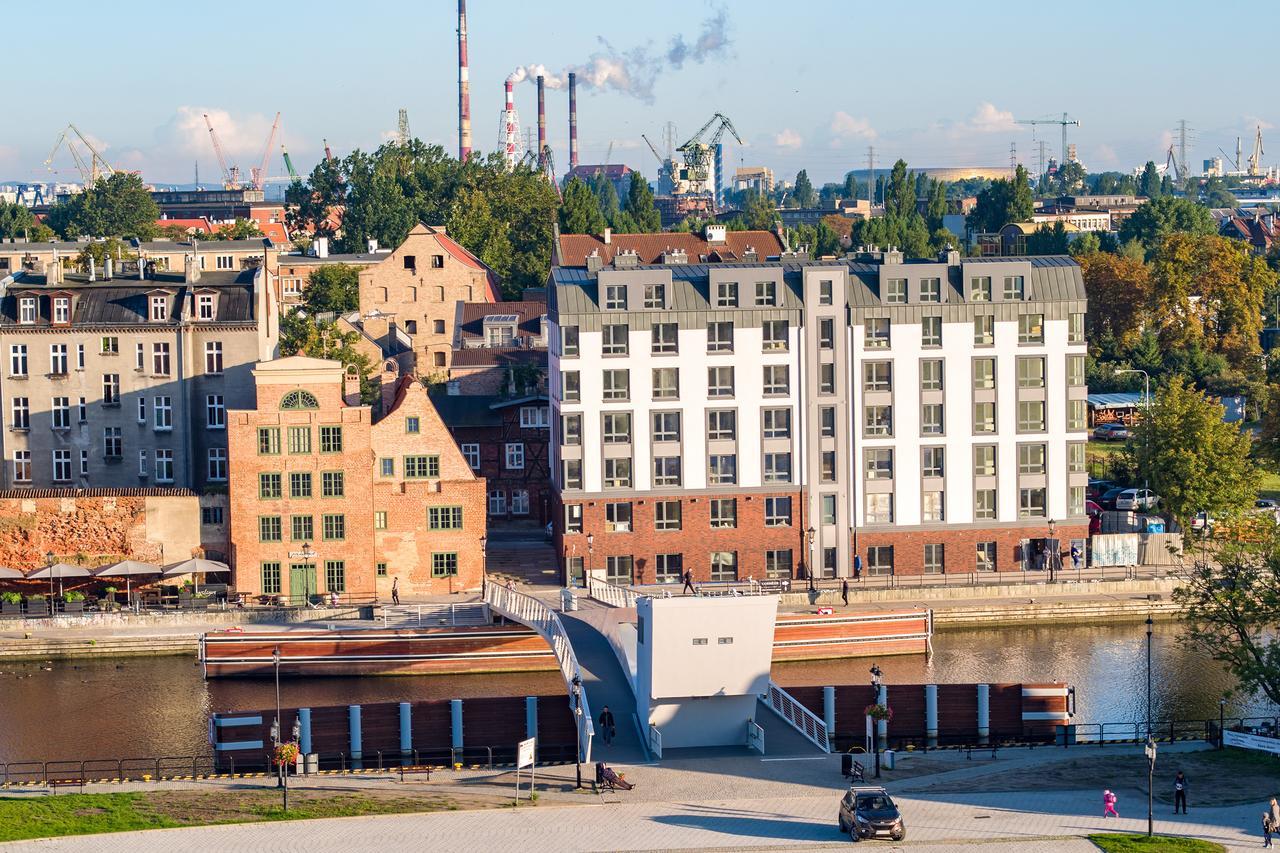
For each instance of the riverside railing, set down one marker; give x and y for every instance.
(530, 611)
(801, 718)
(612, 594)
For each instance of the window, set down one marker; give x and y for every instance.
(984, 504)
(617, 427)
(568, 341)
(930, 290)
(880, 508)
(984, 460)
(162, 412)
(719, 381)
(1076, 414)
(984, 417)
(666, 470)
(932, 506)
(664, 338)
(726, 294)
(333, 484)
(164, 466)
(1031, 372)
(776, 335)
(110, 345)
(470, 452)
(613, 339)
(57, 359)
(669, 568)
(112, 446)
(215, 412)
(984, 374)
(878, 420)
(514, 456)
(444, 564)
(880, 560)
(876, 331)
(1031, 328)
(827, 421)
(619, 570)
(984, 330)
(724, 566)
(22, 466)
(1075, 458)
(519, 501)
(334, 526)
(144, 469)
(271, 578)
(777, 512)
(722, 469)
(570, 386)
(299, 484)
(421, 467)
(533, 417)
(21, 410)
(444, 517)
(980, 289)
(497, 502)
(777, 380)
(217, 463)
(573, 518)
(1031, 503)
(269, 485)
(615, 297)
(934, 552)
(61, 407)
(828, 509)
(268, 441)
(617, 473)
(27, 310)
(1031, 416)
(1013, 287)
(666, 515)
(777, 423)
(986, 557)
(827, 466)
(825, 292)
(895, 292)
(381, 570)
(140, 357)
(877, 376)
(204, 306)
(766, 293)
(829, 559)
(933, 462)
(931, 419)
(879, 463)
(1075, 329)
(931, 331)
(269, 529)
(666, 426)
(62, 466)
(1075, 370)
(655, 296)
(724, 513)
(722, 424)
(572, 474)
(159, 308)
(777, 468)
(826, 333)
(931, 374)
(413, 425)
(160, 359)
(211, 515)
(18, 360)
(330, 439)
(617, 384)
(335, 575)
(720, 337)
(224, 262)
(1031, 458)
(302, 528)
(299, 439)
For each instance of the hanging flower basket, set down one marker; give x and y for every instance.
(286, 753)
(879, 712)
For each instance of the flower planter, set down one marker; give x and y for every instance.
(11, 608)
(73, 607)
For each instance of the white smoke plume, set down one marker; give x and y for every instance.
(634, 72)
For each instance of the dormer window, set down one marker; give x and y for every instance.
(500, 330)
(204, 306)
(159, 308)
(27, 310)
(62, 310)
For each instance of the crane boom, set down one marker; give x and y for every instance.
(699, 155)
(259, 175)
(651, 148)
(1255, 158)
(1066, 121)
(89, 172)
(230, 176)
(288, 164)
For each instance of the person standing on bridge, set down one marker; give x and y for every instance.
(607, 726)
(395, 590)
(688, 583)
(844, 591)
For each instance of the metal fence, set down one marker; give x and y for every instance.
(612, 594)
(801, 718)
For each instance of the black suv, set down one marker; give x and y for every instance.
(869, 812)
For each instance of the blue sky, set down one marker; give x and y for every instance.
(809, 83)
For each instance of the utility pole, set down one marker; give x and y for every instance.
(871, 176)
(1013, 160)
(1182, 149)
(1043, 160)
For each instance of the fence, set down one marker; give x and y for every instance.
(801, 718)
(612, 594)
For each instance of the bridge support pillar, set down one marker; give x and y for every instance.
(530, 716)
(406, 729)
(829, 710)
(984, 713)
(931, 714)
(304, 731)
(357, 748)
(455, 726)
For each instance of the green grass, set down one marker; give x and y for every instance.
(1123, 843)
(1269, 485)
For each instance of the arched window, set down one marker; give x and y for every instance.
(299, 400)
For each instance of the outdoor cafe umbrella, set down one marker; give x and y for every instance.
(127, 569)
(8, 574)
(59, 571)
(194, 566)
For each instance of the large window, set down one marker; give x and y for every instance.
(876, 333)
(270, 485)
(570, 436)
(666, 470)
(444, 564)
(666, 515)
(335, 575)
(895, 291)
(302, 528)
(669, 568)
(570, 386)
(724, 513)
(444, 518)
(777, 512)
(334, 526)
(330, 439)
(614, 339)
(299, 439)
(931, 419)
(726, 294)
(933, 506)
(300, 484)
(1031, 329)
(665, 339)
(655, 296)
(421, 467)
(777, 423)
(777, 564)
(722, 424)
(720, 337)
(666, 383)
(617, 473)
(766, 294)
(878, 420)
(1031, 458)
(986, 557)
(880, 560)
(931, 374)
(666, 426)
(777, 468)
(934, 562)
(877, 376)
(271, 578)
(984, 418)
(879, 463)
(268, 441)
(880, 508)
(724, 566)
(1031, 416)
(573, 518)
(984, 504)
(777, 380)
(617, 517)
(719, 381)
(722, 469)
(932, 461)
(619, 569)
(514, 456)
(615, 297)
(776, 338)
(269, 529)
(980, 289)
(1031, 503)
(617, 428)
(931, 331)
(984, 460)
(568, 341)
(215, 412)
(1013, 289)
(930, 290)
(617, 384)
(1031, 372)
(984, 330)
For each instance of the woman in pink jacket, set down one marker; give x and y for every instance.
(1109, 804)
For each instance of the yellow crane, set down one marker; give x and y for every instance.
(89, 172)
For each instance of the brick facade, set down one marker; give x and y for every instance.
(960, 545)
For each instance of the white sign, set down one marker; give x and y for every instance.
(302, 555)
(1248, 741)
(524, 754)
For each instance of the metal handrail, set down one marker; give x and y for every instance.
(612, 594)
(801, 718)
(530, 611)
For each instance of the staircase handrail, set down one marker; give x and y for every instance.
(612, 594)
(809, 724)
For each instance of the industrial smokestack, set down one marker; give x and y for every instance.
(573, 121)
(464, 86)
(510, 126)
(542, 121)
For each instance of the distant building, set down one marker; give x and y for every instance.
(498, 347)
(219, 205)
(716, 245)
(210, 255)
(294, 271)
(618, 174)
(1260, 228)
(757, 178)
(1013, 237)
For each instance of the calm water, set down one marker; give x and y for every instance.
(160, 706)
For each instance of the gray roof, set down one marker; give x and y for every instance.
(250, 245)
(123, 301)
(73, 247)
(467, 410)
(358, 258)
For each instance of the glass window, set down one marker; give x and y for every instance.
(666, 470)
(776, 335)
(777, 512)
(268, 441)
(299, 439)
(827, 421)
(300, 484)
(828, 505)
(444, 517)
(655, 296)
(777, 564)
(573, 518)
(666, 426)
(984, 374)
(1075, 458)
(722, 424)
(570, 386)
(1075, 329)
(932, 506)
(777, 468)
(933, 462)
(572, 474)
(931, 374)
(1031, 458)
(269, 529)
(984, 504)
(330, 439)
(724, 566)
(880, 560)
(722, 469)
(930, 290)
(895, 292)
(931, 419)
(420, 467)
(876, 332)
(666, 383)
(984, 460)
(1031, 416)
(720, 337)
(617, 428)
(302, 528)
(271, 578)
(669, 568)
(666, 515)
(934, 555)
(614, 339)
(617, 384)
(270, 485)
(877, 376)
(878, 420)
(1013, 287)
(719, 381)
(1030, 372)
(1075, 500)
(826, 378)
(984, 330)
(1031, 328)
(984, 417)
(826, 333)
(617, 517)
(380, 519)
(726, 294)
(986, 557)
(766, 293)
(615, 297)
(1075, 370)
(664, 338)
(880, 508)
(568, 341)
(1031, 503)
(444, 564)
(827, 466)
(619, 570)
(334, 526)
(879, 463)
(724, 513)
(777, 423)
(980, 289)
(335, 575)
(777, 380)
(387, 467)
(1076, 414)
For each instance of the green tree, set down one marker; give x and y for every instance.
(1070, 177)
(606, 196)
(308, 205)
(937, 206)
(580, 212)
(1119, 291)
(241, 229)
(333, 288)
(803, 191)
(115, 206)
(1155, 220)
(16, 220)
(1006, 200)
(641, 208)
(1048, 240)
(301, 334)
(1088, 243)
(472, 223)
(100, 250)
(759, 214)
(1149, 182)
(900, 194)
(1194, 460)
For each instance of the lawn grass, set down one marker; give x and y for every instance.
(1124, 843)
(1269, 485)
(85, 814)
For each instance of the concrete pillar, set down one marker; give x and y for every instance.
(931, 714)
(406, 728)
(304, 731)
(353, 716)
(829, 710)
(883, 725)
(455, 720)
(984, 713)
(530, 716)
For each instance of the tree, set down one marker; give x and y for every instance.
(641, 208)
(1220, 197)
(1155, 220)
(937, 206)
(241, 229)
(803, 191)
(1048, 240)
(606, 196)
(759, 214)
(1119, 290)
(580, 212)
(471, 222)
(333, 288)
(1194, 460)
(116, 206)
(1006, 200)
(900, 194)
(1070, 176)
(1088, 243)
(17, 220)
(1149, 183)
(99, 250)
(850, 189)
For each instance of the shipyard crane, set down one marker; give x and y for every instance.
(1255, 158)
(258, 176)
(1179, 169)
(696, 176)
(652, 148)
(288, 164)
(1066, 121)
(230, 174)
(89, 172)
(402, 127)
(549, 168)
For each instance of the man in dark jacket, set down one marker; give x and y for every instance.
(607, 727)
(688, 583)
(1179, 793)
(844, 591)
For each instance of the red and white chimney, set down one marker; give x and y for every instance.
(464, 86)
(573, 120)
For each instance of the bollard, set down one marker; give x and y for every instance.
(304, 731)
(357, 751)
(984, 713)
(931, 714)
(829, 711)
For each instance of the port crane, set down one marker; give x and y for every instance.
(1066, 121)
(89, 172)
(699, 156)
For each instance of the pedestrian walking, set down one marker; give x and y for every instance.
(607, 727)
(844, 591)
(857, 567)
(688, 583)
(1179, 792)
(1075, 555)
(395, 590)
(1109, 804)
(1268, 827)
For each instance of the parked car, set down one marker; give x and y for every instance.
(1096, 488)
(1266, 503)
(1138, 500)
(1111, 432)
(1091, 509)
(868, 812)
(1108, 498)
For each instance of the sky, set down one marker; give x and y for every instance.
(808, 84)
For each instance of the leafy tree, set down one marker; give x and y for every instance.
(1070, 177)
(1006, 200)
(1194, 460)
(16, 220)
(624, 224)
(803, 191)
(1149, 183)
(176, 233)
(828, 196)
(580, 212)
(308, 205)
(100, 250)
(1220, 197)
(1088, 243)
(1048, 240)
(241, 229)
(606, 196)
(1155, 220)
(1119, 290)
(333, 288)
(115, 206)
(900, 194)
(760, 214)
(850, 188)
(821, 240)
(301, 334)
(471, 222)
(937, 206)
(641, 208)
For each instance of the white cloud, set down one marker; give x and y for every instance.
(242, 137)
(788, 138)
(988, 119)
(845, 127)
(1105, 156)
(1254, 122)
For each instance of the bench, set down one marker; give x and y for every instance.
(55, 784)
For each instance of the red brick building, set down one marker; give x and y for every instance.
(325, 500)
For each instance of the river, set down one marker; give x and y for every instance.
(135, 707)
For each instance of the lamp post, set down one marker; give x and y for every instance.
(1053, 555)
(1222, 721)
(49, 560)
(1149, 623)
(1146, 406)
(577, 729)
(484, 565)
(307, 556)
(875, 724)
(1151, 773)
(809, 535)
(586, 569)
(275, 724)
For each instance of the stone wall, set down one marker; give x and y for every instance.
(96, 530)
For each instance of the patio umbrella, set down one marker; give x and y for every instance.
(194, 566)
(9, 574)
(127, 569)
(59, 571)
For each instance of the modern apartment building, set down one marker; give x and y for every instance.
(757, 419)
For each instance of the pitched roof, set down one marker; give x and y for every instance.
(199, 223)
(528, 317)
(467, 410)
(454, 248)
(124, 300)
(572, 250)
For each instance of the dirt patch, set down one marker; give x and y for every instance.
(223, 806)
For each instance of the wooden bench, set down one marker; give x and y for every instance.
(55, 784)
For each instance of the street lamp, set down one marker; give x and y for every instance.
(1146, 406)
(307, 556)
(1053, 556)
(1222, 721)
(48, 557)
(1151, 773)
(577, 729)
(586, 570)
(875, 724)
(484, 562)
(809, 535)
(275, 725)
(1149, 623)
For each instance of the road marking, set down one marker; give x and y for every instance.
(801, 758)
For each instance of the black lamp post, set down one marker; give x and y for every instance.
(1149, 624)
(809, 535)
(577, 728)
(307, 556)
(484, 565)
(875, 724)
(1222, 721)
(586, 569)
(48, 557)
(1053, 555)
(1151, 743)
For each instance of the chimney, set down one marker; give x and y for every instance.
(573, 121)
(93, 269)
(107, 269)
(351, 386)
(608, 236)
(464, 86)
(626, 258)
(320, 247)
(509, 128)
(190, 269)
(594, 262)
(53, 271)
(373, 245)
(542, 121)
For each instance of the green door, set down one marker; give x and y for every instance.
(302, 582)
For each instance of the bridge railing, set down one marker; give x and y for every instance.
(530, 611)
(801, 718)
(612, 594)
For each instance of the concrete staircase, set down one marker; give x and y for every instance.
(524, 556)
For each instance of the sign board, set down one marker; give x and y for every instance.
(303, 555)
(524, 753)
(1245, 740)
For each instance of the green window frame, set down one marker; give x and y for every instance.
(302, 528)
(333, 484)
(271, 578)
(382, 570)
(330, 439)
(299, 439)
(444, 564)
(269, 528)
(299, 484)
(299, 400)
(335, 575)
(268, 441)
(444, 517)
(421, 467)
(334, 527)
(386, 467)
(412, 424)
(269, 486)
